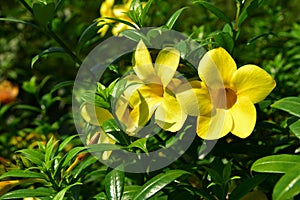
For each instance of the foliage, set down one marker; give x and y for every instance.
(44, 43)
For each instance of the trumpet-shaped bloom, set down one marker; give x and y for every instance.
(155, 90)
(108, 9)
(233, 93)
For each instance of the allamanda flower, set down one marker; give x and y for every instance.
(233, 93)
(108, 9)
(154, 90)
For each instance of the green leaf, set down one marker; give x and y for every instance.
(214, 10)
(61, 194)
(288, 185)
(43, 13)
(46, 52)
(114, 184)
(33, 155)
(27, 107)
(100, 196)
(145, 11)
(87, 34)
(157, 183)
(276, 163)
(72, 154)
(93, 148)
(83, 167)
(22, 174)
(135, 35)
(246, 186)
(174, 18)
(49, 152)
(224, 40)
(30, 86)
(288, 104)
(22, 193)
(66, 142)
(18, 21)
(140, 143)
(61, 85)
(247, 11)
(130, 191)
(295, 128)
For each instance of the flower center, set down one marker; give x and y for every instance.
(224, 98)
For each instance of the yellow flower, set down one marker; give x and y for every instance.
(97, 116)
(108, 9)
(155, 90)
(233, 93)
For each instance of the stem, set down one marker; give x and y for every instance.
(64, 45)
(238, 10)
(26, 6)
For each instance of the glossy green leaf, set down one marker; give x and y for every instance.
(84, 166)
(276, 163)
(247, 185)
(22, 193)
(43, 13)
(22, 174)
(130, 191)
(33, 155)
(158, 182)
(288, 104)
(61, 194)
(140, 143)
(114, 184)
(295, 128)
(220, 14)
(170, 23)
(45, 53)
(288, 185)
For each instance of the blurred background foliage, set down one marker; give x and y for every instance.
(269, 38)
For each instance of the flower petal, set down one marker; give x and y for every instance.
(169, 114)
(166, 64)
(143, 63)
(193, 98)
(244, 117)
(216, 126)
(216, 67)
(95, 115)
(253, 82)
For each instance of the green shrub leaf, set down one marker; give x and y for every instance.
(276, 163)
(114, 184)
(288, 185)
(157, 183)
(288, 104)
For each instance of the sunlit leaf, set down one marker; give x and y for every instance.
(158, 182)
(288, 104)
(170, 23)
(288, 185)
(276, 163)
(114, 184)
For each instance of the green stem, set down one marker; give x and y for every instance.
(26, 6)
(238, 10)
(64, 45)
